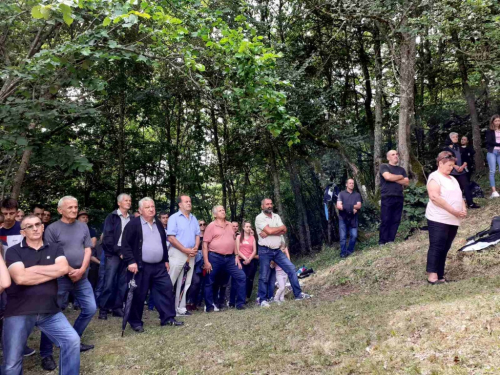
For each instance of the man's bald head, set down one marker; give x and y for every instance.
(393, 157)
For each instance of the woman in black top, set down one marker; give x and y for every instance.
(493, 147)
(459, 171)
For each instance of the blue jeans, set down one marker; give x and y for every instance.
(266, 255)
(115, 284)
(493, 159)
(85, 296)
(219, 264)
(344, 228)
(16, 330)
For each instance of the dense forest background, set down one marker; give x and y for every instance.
(231, 101)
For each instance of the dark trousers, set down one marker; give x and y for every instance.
(220, 286)
(441, 237)
(115, 284)
(390, 216)
(194, 290)
(152, 276)
(100, 283)
(463, 181)
(219, 264)
(250, 271)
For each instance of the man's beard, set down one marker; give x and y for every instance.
(268, 211)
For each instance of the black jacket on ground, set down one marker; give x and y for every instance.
(132, 241)
(491, 140)
(111, 234)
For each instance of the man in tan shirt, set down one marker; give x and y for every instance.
(270, 231)
(219, 244)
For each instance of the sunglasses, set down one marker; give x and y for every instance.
(203, 225)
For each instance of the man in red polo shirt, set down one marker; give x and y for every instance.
(219, 244)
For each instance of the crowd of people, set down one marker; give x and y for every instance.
(176, 260)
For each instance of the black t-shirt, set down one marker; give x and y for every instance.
(349, 200)
(32, 299)
(390, 188)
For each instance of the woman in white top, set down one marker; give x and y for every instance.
(444, 212)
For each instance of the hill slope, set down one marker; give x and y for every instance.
(371, 314)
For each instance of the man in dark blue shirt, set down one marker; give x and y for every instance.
(348, 204)
(392, 180)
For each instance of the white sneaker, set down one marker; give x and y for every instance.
(494, 195)
(265, 304)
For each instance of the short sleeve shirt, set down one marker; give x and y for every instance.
(33, 299)
(73, 238)
(390, 188)
(184, 229)
(349, 200)
(261, 221)
(11, 236)
(450, 191)
(220, 239)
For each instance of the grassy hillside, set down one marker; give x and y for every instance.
(372, 313)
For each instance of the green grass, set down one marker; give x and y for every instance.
(372, 313)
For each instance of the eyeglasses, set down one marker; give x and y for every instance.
(203, 225)
(31, 227)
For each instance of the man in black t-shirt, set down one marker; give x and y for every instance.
(348, 204)
(392, 180)
(34, 267)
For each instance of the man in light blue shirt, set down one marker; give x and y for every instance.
(183, 234)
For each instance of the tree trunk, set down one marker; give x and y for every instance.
(276, 181)
(379, 103)
(406, 98)
(365, 62)
(471, 103)
(220, 161)
(299, 207)
(121, 148)
(21, 172)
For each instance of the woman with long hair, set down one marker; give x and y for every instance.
(246, 247)
(493, 155)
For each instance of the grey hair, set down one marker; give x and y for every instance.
(453, 134)
(265, 199)
(214, 209)
(145, 199)
(121, 196)
(66, 198)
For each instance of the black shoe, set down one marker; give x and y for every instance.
(186, 313)
(241, 307)
(210, 310)
(84, 348)
(28, 352)
(118, 313)
(473, 206)
(173, 323)
(138, 329)
(48, 363)
(103, 314)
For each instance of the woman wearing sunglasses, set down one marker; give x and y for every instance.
(193, 296)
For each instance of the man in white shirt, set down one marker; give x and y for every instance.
(270, 231)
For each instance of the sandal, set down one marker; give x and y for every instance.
(433, 282)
